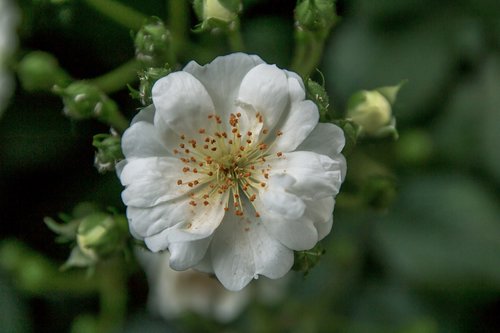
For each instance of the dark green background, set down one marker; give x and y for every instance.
(428, 263)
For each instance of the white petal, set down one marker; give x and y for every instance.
(295, 233)
(316, 176)
(303, 232)
(184, 255)
(299, 123)
(277, 201)
(153, 180)
(320, 211)
(142, 140)
(119, 167)
(242, 248)
(182, 103)
(265, 87)
(149, 221)
(295, 87)
(199, 222)
(222, 78)
(147, 114)
(325, 139)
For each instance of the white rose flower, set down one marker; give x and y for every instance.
(230, 171)
(9, 17)
(173, 293)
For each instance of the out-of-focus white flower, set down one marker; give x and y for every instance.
(9, 17)
(173, 293)
(230, 171)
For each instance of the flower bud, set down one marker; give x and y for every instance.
(82, 101)
(40, 71)
(153, 43)
(108, 151)
(372, 111)
(217, 13)
(315, 15)
(100, 235)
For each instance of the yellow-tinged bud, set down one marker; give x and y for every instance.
(214, 9)
(100, 235)
(217, 14)
(370, 110)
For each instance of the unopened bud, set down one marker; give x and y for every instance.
(372, 111)
(315, 15)
(100, 235)
(108, 151)
(217, 13)
(83, 100)
(40, 71)
(153, 43)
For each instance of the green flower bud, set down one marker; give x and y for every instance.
(153, 43)
(100, 235)
(217, 13)
(40, 71)
(82, 101)
(372, 111)
(147, 79)
(108, 151)
(315, 15)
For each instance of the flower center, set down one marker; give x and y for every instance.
(233, 162)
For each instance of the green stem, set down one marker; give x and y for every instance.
(235, 38)
(121, 14)
(118, 78)
(113, 296)
(308, 52)
(178, 22)
(116, 120)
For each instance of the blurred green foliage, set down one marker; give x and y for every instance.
(428, 262)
